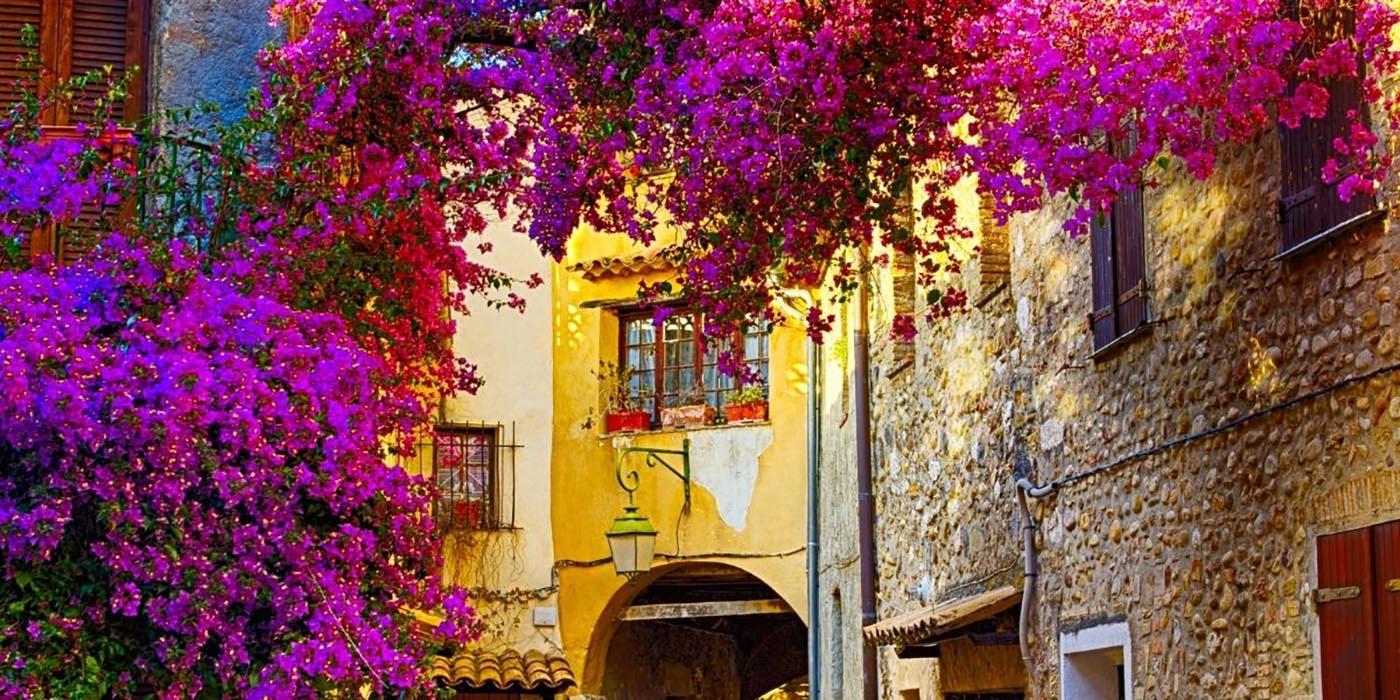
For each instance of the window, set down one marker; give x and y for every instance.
(88, 36)
(1358, 612)
(1119, 264)
(904, 286)
(1096, 663)
(1310, 207)
(75, 37)
(671, 363)
(466, 467)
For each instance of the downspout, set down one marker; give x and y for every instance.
(864, 501)
(1026, 490)
(814, 447)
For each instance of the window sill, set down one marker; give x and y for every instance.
(1330, 234)
(1113, 348)
(686, 429)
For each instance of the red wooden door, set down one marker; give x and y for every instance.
(1385, 544)
(1345, 574)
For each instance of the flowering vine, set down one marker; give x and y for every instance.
(787, 133)
(199, 495)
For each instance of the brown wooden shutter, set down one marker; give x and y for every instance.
(14, 16)
(1119, 262)
(995, 258)
(1308, 204)
(1101, 319)
(109, 33)
(1386, 546)
(1129, 251)
(1346, 616)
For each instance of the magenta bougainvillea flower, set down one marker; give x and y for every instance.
(790, 131)
(196, 495)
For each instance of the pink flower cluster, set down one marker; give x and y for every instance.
(788, 132)
(212, 460)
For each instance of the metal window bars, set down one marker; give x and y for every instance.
(473, 466)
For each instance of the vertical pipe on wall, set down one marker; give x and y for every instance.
(814, 446)
(1024, 491)
(864, 501)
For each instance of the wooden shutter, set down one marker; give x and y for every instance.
(108, 33)
(1386, 546)
(995, 258)
(1119, 262)
(14, 16)
(75, 37)
(1346, 615)
(1129, 253)
(1101, 247)
(1310, 205)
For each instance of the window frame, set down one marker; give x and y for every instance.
(656, 398)
(1096, 640)
(490, 517)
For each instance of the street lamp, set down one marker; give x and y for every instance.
(632, 538)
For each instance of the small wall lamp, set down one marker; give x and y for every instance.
(632, 538)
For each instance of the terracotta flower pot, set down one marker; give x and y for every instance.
(685, 416)
(628, 421)
(752, 412)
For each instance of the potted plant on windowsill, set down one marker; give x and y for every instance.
(620, 414)
(692, 410)
(747, 405)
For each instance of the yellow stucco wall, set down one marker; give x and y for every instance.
(748, 496)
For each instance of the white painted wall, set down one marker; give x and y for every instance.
(514, 354)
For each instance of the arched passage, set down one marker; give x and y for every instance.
(701, 630)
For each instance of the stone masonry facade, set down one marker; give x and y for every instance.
(1259, 411)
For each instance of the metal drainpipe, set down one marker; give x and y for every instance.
(864, 501)
(1025, 490)
(814, 446)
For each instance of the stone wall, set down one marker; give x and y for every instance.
(839, 571)
(205, 51)
(1205, 546)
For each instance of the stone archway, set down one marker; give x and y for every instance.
(709, 631)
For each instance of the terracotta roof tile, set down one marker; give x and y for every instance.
(920, 625)
(506, 669)
(653, 260)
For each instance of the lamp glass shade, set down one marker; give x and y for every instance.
(632, 540)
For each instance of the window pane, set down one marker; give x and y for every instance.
(678, 344)
(639, 337)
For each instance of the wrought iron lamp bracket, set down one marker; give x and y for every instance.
(630, 481)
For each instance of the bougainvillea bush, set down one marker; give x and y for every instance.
(197, 487)
(194, 498)
(789, 132)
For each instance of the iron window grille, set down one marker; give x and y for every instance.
(672, 361)
(473, 467)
